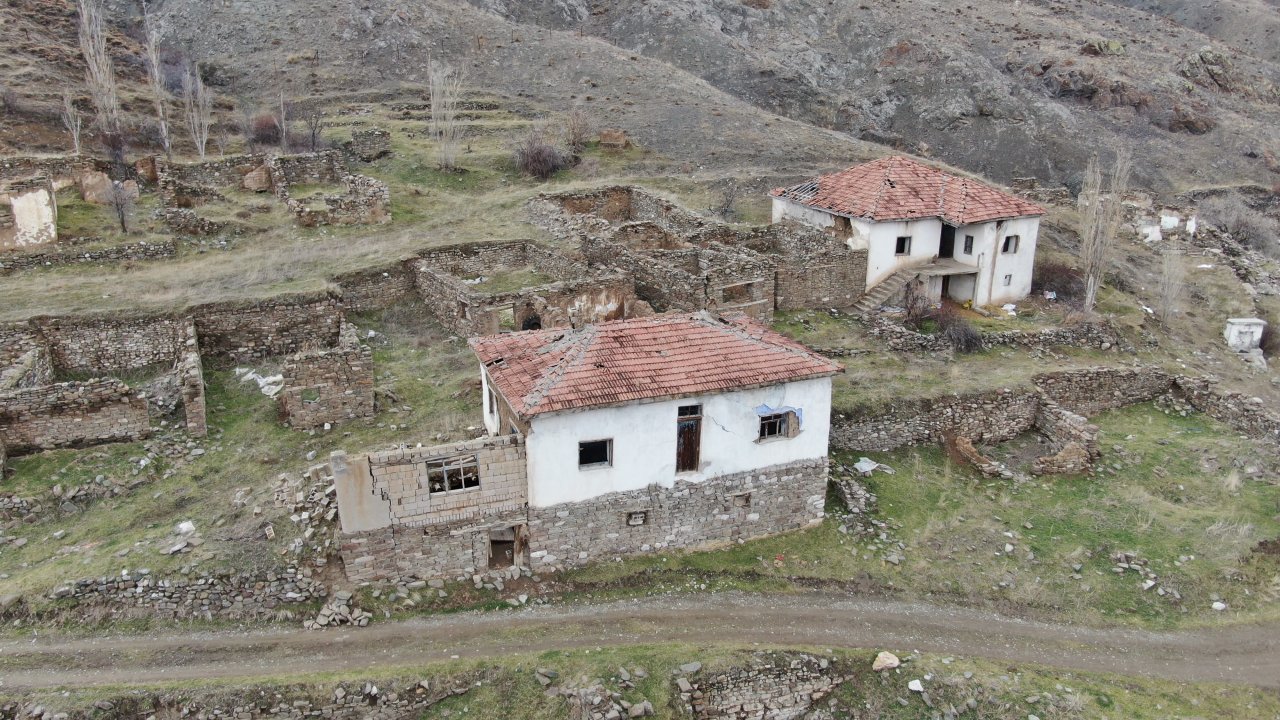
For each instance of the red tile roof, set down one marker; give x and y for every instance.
(899, 188)
(622, 361)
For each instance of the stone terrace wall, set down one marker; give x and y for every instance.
(981, 417)
(71, 414)
(903, 339)
(63, 170)
(247, 331)
(222, 595)
(481, 258)
(376, 289)
(332, 385)
(11, 263)
(1094, 390)
(719, 510)
(109, 344)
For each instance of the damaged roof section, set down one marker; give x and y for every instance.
(899, 188)
(641, 359)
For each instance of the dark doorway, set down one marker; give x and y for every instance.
(533, 322)
(947, 245)
(688, 438)
(506, 546)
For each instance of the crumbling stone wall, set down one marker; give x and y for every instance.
(775, 686)
(61, 170)
(988, 417)
(330, 385)
(190, 375)
(1073, 437)
(32, 369)
(110, 344)
(68, 254)
(715, 511)
(71, 414)
(186, 185)
(898, 337)
(737, 280)
(320, 168)
(245, 331)
(365, 201)
(368, 144)
(1248, 415)
(1093, 390)
(376, 289)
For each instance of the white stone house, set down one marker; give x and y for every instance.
(960, 238)
(28, 213)
(623, 437)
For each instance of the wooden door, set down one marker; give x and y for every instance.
(688, 438)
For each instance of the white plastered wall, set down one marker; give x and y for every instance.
(35, 217)
(644, 441)
(882, 261)
(784, 209)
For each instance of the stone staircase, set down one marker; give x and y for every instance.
(886, 289)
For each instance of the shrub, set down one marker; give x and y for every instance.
(535, 155)
(264, 130)
(963, 336)
(1059, 277)
(1248, 226)
(578, 130)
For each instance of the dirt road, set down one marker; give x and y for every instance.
(1243, 654)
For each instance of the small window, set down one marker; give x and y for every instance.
(452, 474)
(1010, 244)
(690, 411)
(639, 517)
(968, 244)
(781, 425)
(903, 246)
(595, 453)
(493, 402)
(1008, 280)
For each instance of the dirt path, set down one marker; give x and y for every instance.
(1243, 654)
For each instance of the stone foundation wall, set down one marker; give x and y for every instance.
(775, 686)
(109, 344)
(1093, 390)
(11, 263)
(981, 417)
(376, 289)
(252, 330)
(332, 385)
(903, 339)
(71, 414)
(1248, 415)
(368, 144)
(719, 510)
(366, 201)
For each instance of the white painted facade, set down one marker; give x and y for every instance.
(998, 277)
(35, 217)
(1244, 334)
(644, 440)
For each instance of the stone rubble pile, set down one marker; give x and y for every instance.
(1127, 562)
(312, 501)
(594, 700)
(339, 611)
(775, 686)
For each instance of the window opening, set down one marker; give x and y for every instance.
(968, 244)
(903, 246)
(595, 453)
(1008, 280)
(772, 426)
(452, 474)
(1010, 244)
(639, 517)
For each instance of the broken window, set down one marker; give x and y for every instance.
(1010, 244)
(493, 402)
(968, 244)
(779, 425)
(903, 246)
(595, 453)
(639, 517)
(1008, 280)
(451, 474)
(737, 293)
(506, 318)
(843, 227)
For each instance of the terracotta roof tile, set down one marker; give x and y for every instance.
(542, 371)
(899, 188)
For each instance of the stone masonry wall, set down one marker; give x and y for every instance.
(1093, 390)
(376, 289)
(1248, 415)
(988, 417)
(719, 510)
(1073, 438)
(11, 263)
(109, 344)
(401, 477)
(71, 414)
(368, 144)
(330, 385)
(190, 376)
(775, 686)
(33, 369)
(247, 331)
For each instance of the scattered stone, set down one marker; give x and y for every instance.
(885, 661)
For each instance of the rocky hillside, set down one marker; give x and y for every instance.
(1001, 88)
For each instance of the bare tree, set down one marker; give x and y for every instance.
(1172, 276)
(101, 79)
(314, 119)
(72, 120)
(247, 109)
(282, 122)
(197, 103)
(122, 203)
(1100, 219)
(222, 140)
(155, 78)
(446, 91)
(577, 130)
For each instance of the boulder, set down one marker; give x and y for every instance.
(885, 661)
(95, 187)
(258, 179)
(614, 139)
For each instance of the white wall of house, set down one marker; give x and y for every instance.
(492, 423)
(35, 217)
(1019, 266)
(644, 441)
(883, 261)
(784, 209)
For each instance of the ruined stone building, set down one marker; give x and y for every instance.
(955, 236)
(628, 436)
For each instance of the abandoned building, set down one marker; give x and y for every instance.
(682, 261)
(954, 236)
(28, 213)
(486, 288)
(628, 436)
